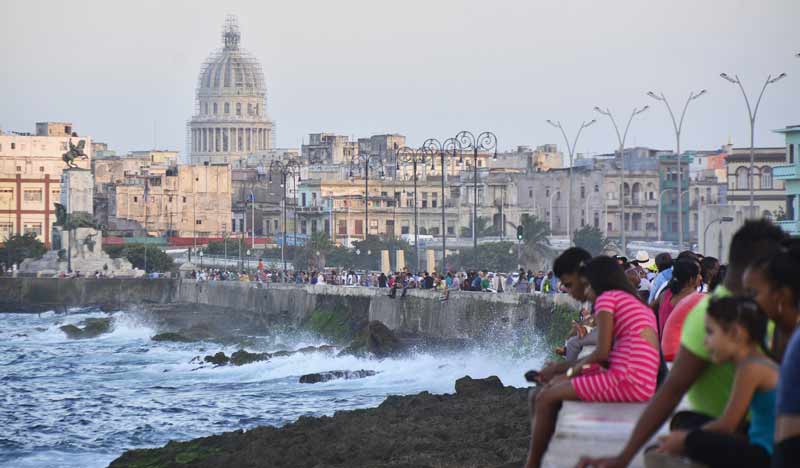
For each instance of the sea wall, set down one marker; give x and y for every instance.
(461, 315)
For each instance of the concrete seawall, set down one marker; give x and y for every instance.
(464, 315)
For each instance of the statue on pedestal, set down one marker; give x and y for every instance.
(75, 152)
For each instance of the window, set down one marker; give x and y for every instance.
(238, 108)
(250, 108)
(359, 227)
(170, 198)
(215, 108)
(303, 199)
(135, 199)
(35, 228)
(41, 168)
(547, 192)
(342, 227)
(597, 220)
(583, 195)
(530, 193)
(741, 179)
(558, 196)
(198, 221)
(404, 229)
(791, 154)
(303, 227)
(451, 230)
(766, 177)
(233, 224)
(6, 230)
(205, 108)
(424, 199)
(227, 108)
(32, 195)
(6, 194)
(313, 226)
(13, 146)
(184, 199)
(596, 188)
(19, 168)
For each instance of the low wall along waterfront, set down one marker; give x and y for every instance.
(470, 315)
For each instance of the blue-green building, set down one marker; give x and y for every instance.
(790, 174)
(668, 195)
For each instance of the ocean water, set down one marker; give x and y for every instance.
(81, 403)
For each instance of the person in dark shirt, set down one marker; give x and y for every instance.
(382, 280)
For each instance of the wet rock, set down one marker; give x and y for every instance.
(242, 357)
(92, 328)
(376, 339)
(469, 387)
(219, 359)
(318, 377)
(423, 430)
(171, 336)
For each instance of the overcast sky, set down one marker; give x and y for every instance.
(429, 68)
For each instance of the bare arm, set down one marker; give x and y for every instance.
(747, 379)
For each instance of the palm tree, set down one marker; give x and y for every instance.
(536, 240)
(484, 228)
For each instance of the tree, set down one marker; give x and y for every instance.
(485, 228)
(218, 247)
(536, 240)
(18, 247)
(157, 259)
(591, 239)
(492, 256)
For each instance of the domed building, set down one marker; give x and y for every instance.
(230, 118)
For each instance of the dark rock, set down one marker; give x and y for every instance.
(337, 374)
(376, 339)
(445, 431)
(92, 328)
(219, 359)
(469, 387)
(242, 357)
(171, 336)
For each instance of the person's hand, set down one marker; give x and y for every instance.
(556, 380)
(672, 443)
(605, 462)
(547, 372)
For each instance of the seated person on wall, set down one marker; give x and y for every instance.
(706, 384)
(567, 267)
(735, 332)
(626, 339)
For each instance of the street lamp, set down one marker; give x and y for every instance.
(248, 258)
(406, 155)
(621, 138)
(571, 151)
(201, 259)
(752, 112)
(286, 168)
(678, 126)
(724, 219)
(366, 159)
(450, 146)
(486, 141)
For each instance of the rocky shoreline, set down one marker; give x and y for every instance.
(483, 424)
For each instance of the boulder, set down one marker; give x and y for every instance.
(219, 359)
(92, 328)
(318, 377)
(172, 336)
(242, 357)
(467, 386)
(376, 339)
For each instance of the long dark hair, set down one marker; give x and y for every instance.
(683, 271)
(744, 311)
(605, 274)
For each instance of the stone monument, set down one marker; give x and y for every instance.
(77, 239)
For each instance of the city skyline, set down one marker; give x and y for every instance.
(420, 71)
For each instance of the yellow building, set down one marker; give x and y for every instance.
(30, 177)
(184, 200)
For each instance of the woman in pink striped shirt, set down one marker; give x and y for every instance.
(624, 364)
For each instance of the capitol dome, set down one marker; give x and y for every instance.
(230, 119)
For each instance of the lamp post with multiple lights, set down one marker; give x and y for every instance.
(486, 141)
(287, 168)
(752, 112)
(621, 137)
(677, 125)
(366, 159)
(415, 157)
(453, 147)
(571, 151)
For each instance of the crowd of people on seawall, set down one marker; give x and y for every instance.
(474, 280)
(722, 337)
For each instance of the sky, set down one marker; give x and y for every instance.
(125, 72)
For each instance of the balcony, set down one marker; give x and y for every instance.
(786, 172)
